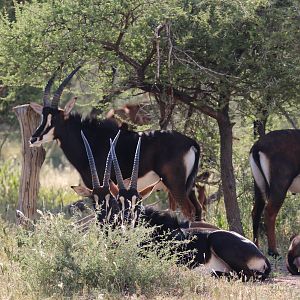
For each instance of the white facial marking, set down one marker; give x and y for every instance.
(96, 198)
(122, 200)
(133, 201)
(108, 215)
(107, 197)
(45, 138)
(189, 160)
(48, 123)
(48, 137)
(258, 177)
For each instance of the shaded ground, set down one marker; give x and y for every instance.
(288, 279)
(281, 274)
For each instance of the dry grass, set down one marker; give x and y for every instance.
(29, 262)
(189, 284)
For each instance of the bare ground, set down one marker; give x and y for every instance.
(281, 275)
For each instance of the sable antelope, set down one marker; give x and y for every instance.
(131, 112)
(165, 154)
(293, 256)
(104, 203)
(275, 164)
(223, 252)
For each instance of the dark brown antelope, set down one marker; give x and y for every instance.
(275, 165)
(293, 256)
(223, 252)
(105, 205)
(165, 154)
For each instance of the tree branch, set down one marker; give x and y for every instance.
(115, 48)
(179, 95)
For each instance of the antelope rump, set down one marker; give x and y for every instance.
(275, 165)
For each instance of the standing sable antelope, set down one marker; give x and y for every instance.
(165, 154)
(223, 252)
(275, 165)
(293, 256)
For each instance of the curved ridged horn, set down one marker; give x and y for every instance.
(118, 173)
(56, 97)
(135, 168)
(46, 97)
(95, 178)
(107, 171)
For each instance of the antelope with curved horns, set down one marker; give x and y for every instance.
(275, 165)
(223, 252)
(105, 204)
(169, 155)
(293, 256)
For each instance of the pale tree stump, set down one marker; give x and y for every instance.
(32, 160)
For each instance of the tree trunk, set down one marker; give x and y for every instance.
(32, 160)
(259, 125)
(166, 105)
(227, 174)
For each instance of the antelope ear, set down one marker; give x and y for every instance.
(147, 191)
(69, 106)
(82, 191)
(113, 188)
(36, 107)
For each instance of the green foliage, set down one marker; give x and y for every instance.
(59, 259)
(9, 186)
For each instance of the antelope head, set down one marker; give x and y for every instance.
(51, 114)
(102, 195)
(130, 199)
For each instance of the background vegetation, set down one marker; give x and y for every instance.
(223, 72)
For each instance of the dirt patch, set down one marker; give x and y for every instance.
(281, 274)
(288, 279)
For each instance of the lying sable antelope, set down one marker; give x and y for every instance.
(105, 205)
(165, 154)
(275, 164)
(293, 256)
(223, 252)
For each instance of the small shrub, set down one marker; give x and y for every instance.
(9, 187)
(59, 259)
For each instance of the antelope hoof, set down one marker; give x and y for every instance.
(274, 254)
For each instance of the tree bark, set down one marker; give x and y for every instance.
(259, 125)
(32, 160)
(227, 174)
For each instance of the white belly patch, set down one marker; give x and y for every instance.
(216, 264)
